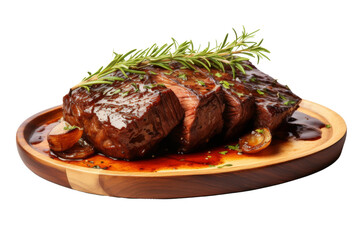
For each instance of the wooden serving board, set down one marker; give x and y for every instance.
(277, 164)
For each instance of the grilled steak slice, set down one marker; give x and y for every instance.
(254, 96)
(274, 101)
(239, 103)
(202, 102)
(126, 119)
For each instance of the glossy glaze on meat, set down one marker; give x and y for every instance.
(202, 101)
(127, 124)
(274, 102)
(239, 104)
(253, 100)
(128, 119)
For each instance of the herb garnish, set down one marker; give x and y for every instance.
(253, 79)
(125, 93)
(289, 103)
(154, 85)
(201, 83)
(259, 130)
(234, 147)
(115, 92)
(232, 54)
(70, 127)
(226, 84)
(225, 165)
(281, 96)
(260, 92)
(223, 152)
(328, 126)
(218, 74)
(135, 87)
(239, 94)
(182, 76)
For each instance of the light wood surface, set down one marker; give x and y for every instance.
(277, 164)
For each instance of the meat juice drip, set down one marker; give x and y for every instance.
(300, 126)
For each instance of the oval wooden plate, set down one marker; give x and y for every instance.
(279, 164)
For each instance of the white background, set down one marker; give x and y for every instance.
(47, 46)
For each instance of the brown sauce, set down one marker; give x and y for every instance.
(300, 126)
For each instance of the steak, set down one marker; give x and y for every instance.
(202, 101)
(126, 119)
(129, 118)
(239, 103)
(253, 100)
(274, 102)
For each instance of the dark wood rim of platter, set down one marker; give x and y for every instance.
(301, 160)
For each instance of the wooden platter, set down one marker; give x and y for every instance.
(277, 164)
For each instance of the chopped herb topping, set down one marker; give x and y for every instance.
(153, 73)
(69, 127)
(239, 94)
(154, 85)
(225, 165)
(210, 165)
(289, 103)
(167, 73)
(223, 152)
(201, 83)
(260, 92)
(328, 126)
(226, 84)
(125, 93)
(107, 90)
(253, 79)
(281, 96)
(218, 74)
(259, 130)
(234, 147)
(182, 76)
(115, 92)
(135, 87)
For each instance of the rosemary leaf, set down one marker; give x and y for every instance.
(226, 53)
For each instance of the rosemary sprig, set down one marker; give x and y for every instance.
(232, 53)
